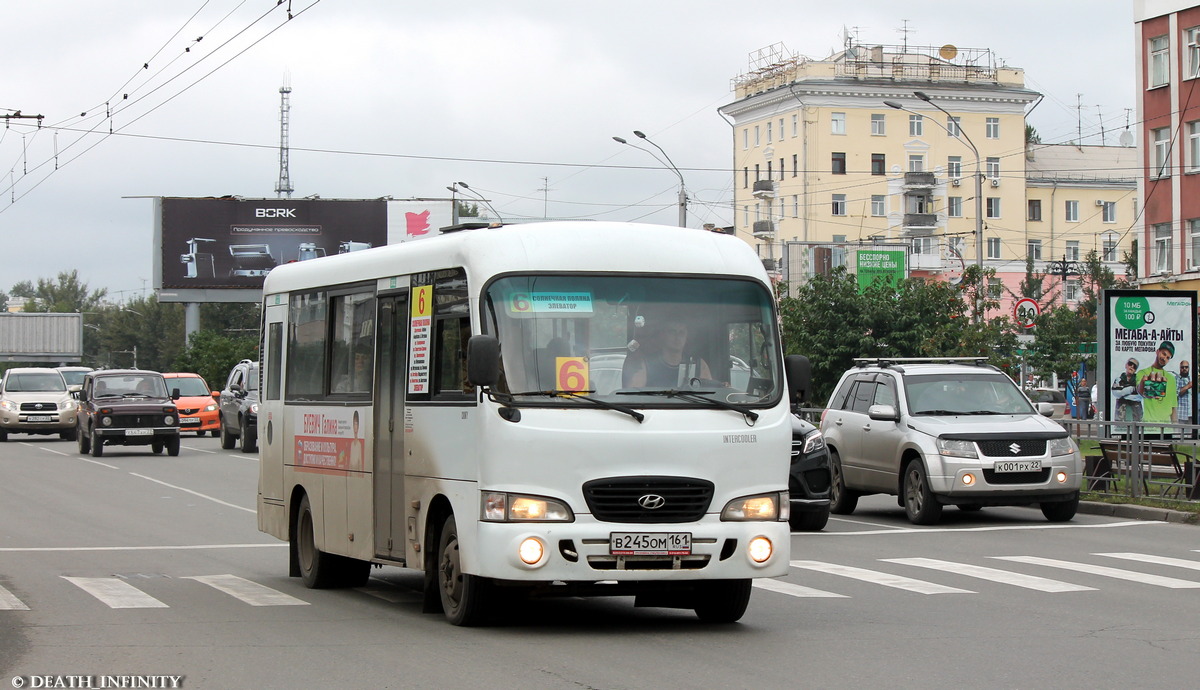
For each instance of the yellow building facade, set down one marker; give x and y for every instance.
(888, 145)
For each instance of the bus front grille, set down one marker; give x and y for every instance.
(648, 499)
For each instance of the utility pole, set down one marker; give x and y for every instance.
(284, 185)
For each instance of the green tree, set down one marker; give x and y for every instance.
(66, 294)
(1058, 334)
(1033, 284)
(213, 355)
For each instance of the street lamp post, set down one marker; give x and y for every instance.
(978, 192)
(1063, 269)
(481, 198)
(670, 164)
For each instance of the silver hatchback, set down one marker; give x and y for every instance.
(941, 431)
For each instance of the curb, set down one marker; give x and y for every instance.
(1135, 512)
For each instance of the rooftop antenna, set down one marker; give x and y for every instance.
(904, 31)
(1079, 119)
(284, 185)
(1100, 115)
(1126, 136)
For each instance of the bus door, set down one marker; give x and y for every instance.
(392, 368)
(272, 447)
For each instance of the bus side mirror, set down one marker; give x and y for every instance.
(799, 377)
(483, 360)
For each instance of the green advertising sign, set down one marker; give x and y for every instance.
(874, 264)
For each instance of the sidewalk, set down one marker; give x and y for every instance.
(1136, 512)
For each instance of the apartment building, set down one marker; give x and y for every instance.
(881, 144)
(1167, 37)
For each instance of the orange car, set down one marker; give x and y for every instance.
(197, 403)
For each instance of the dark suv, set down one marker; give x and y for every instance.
(127, 407)
(239, 408)
(809, 480)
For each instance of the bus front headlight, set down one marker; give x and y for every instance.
(759, 508)
(500, 506)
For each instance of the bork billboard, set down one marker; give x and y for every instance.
(234, 243)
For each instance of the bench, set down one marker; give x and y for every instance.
(1155, 462)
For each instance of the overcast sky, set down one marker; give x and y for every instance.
(518, 99)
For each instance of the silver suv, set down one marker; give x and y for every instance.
(944, 431)
(35, 400)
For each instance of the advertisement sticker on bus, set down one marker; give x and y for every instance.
(420, 332)
(332, 439)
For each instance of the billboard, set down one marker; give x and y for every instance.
(875, 263)
(233, 243)
(1146, 348)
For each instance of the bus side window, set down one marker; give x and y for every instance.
(450, 368)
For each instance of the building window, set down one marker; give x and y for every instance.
(954, 206)
(916, 125)
(1192, 150)
(993, 247)
(878, 124)
(756, 135)
(1072, 211)
(916, 162)
(1160, 67)
(745, 178)
(795, 165)
(993, 128)
(993, 206)
(770, 171)
(878, 164)
(1072, 291)
(923, 245)
(839, 204)
(746, 215)
(795, 206)
(1191, 64)
(1194, 236)
(995, 288)
(957, 245)
(878, 205)
(839, 163)
(1110, 212)
(795, 126)
(757, 172)
(1110, 250)
(954, 167)
(1162, 248)
(1033, 249)
(993, 168)
(837, 123)
(1035, 209)
(1072, 250)
(745, 138)
(781, 169)
(769, 137)
(1162, 151)
(953, 126)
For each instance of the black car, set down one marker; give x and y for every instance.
(809, 478)
(239, 408)
(127, 407)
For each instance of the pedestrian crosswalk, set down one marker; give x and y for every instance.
(918, 575)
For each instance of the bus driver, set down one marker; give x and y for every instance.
(667, 365)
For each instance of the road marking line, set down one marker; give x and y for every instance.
(1006, 577)
(795, 590)
(56, 452)
(1105, 571)
(138, 548)
(250, 592)
(876, 577)
(116, 593)
(1158, 560)
(194, 493)
(953, 530)
(9, 601)
(102, 464)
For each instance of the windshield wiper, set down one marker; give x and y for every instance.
(698, 396)
(957, 412)
(510, 399)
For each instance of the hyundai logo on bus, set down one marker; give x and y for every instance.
(652, 501)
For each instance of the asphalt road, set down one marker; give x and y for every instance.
(150, 565)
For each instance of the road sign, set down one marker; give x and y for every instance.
(1026, 311)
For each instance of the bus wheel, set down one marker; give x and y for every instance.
(316, 566)
(723, 601)
(463, 596)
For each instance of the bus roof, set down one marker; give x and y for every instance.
(551, 246)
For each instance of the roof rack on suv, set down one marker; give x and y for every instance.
(888, 361)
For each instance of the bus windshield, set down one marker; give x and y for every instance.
(634, 340)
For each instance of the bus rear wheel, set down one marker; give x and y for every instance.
(318, 569)
(464, 597)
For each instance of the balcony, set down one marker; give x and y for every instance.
(764, 189)
(919, 179)
(920, 220)
(764, 229)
